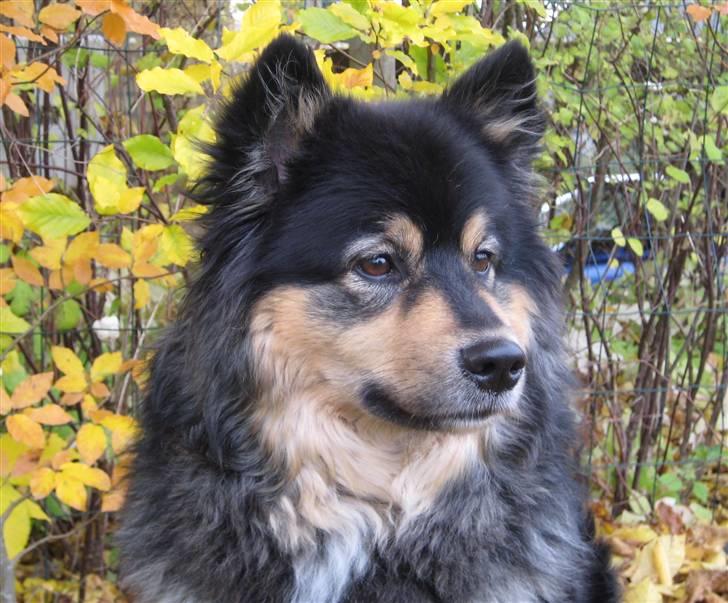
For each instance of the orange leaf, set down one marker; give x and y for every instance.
(113, 501)
(134, 21)
(71, 398)
(5, 404)
(21, 11)
(58, 16)
(99, 390)
(147, 270)
(24, 188)
(49, 255)
(82, 272)
(32, 390)
(91, 442)
(698, 13)
(114, 29)
(16, 104)
(27, 271)
(42, 482)
(49, 33)
(23, 32)
(55, 280)
(112, 256)
(83, 246)
(101, 284)
(7, 280)
(7, 53)
(63, 457)
(94, 7)
(50, 414)
(26, 431)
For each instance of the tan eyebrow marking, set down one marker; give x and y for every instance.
(406, 235)
(473, 233)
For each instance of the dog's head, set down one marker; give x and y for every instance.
(382, 255)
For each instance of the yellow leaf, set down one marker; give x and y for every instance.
(32, 390)
(27, 271)
(123, 431)
(64, 456)
(83, 246)
(50, 414)
(114, 28)
(442, 7)
(259, 26)
(11, 227)
(71, 491)
(643, 592)
(112, 256)
(640, 533)
(91, 442)
(54, 445)
(180, 42)
(71, 384)
(176, 245)
(16, 528)
(167, 81)
(130, 199)
(66, 360)
(49, 33)
(10, 451)
(89, 476)
(141, 294)
(58, 16)
(38, 74)
(49, 255)
(42, 482)
(107, 179)
(106, 365)
(26, 431)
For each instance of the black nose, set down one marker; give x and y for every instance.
(494, 364)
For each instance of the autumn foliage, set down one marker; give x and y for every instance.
(96, 248)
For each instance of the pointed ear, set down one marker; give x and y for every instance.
(499, 93)
(259, 129)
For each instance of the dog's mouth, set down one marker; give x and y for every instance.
(472, 412)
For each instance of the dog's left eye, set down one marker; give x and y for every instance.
(481, 260)
(376, 266)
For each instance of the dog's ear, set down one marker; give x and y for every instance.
(499, 93)
(260, 127)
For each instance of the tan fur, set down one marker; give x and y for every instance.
(473, 234)
(514, 312)
(500, 130)
(406, 235)
(346, 467)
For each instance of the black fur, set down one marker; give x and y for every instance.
(295, 174)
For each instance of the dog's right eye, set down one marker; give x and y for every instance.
(376, 266)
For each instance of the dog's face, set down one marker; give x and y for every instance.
(394, 248)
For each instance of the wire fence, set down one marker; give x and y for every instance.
(644, 288)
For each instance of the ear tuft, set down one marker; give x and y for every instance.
(259, 129)
(499, 92)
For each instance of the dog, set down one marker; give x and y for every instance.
(365, 395)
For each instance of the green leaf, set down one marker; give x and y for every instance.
(350, 15)
(53, 216)
(700, 491)
(148, 152)
(677, 174)
(670, 484)
(657, 209)
(176, 245)
(165, 181)
(719, 99)
(9, 323)
(22, 298)
(324, 26)
(4, 253)
(618, 237)
(68, 315)
(636, 246)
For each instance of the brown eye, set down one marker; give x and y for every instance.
(481, 261)
(376, 266)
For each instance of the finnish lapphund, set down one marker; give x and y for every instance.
(365, 395)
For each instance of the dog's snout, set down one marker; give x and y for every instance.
(494, 364)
